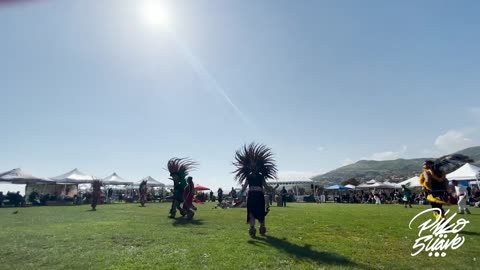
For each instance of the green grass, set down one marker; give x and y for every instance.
(301, 236)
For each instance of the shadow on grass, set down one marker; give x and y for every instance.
(184, 221)
(470, 233)
(306, 253)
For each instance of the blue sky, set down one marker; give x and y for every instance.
(90, 84)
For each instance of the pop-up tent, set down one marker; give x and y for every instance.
(363, 186)
(114, 179)
(467, 172)
(200, 187)
(383, 185)
(349, 186)
(18, 176)
(391, 185)
(74, 177)
(336, 187)
(411, 182)
(151, 182)
(18, 180)
(368, 184)
(379, 185)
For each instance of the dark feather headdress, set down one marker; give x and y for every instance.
(143, 185)
(181, 166)
(96, 185)
(254, 159)
(449, 163)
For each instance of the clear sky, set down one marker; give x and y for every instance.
(108, 86)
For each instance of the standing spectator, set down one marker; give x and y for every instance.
(1, 199)
(220, 195)
(233, 194)
(211, 195)
(376, 197)
(143, 189)
(407, 196)
(272, 194)
(109, 195)
(284, 193)
(96, 193)
(34, 198)
(462, 196)
(18, 199)
(469, 195)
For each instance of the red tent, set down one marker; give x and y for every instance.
(199, 187)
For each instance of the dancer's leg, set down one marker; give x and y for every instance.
(173, 208)
(263, 229)
(461, 204)
(251, 220)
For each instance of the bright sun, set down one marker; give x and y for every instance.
(154, 14)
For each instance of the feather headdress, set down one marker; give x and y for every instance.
(180, 166)
(96, 185)
(449, 163)
(254, 159)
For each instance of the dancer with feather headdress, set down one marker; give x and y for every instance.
(255, 164)
(188, 194)
(435, 183)
(179, 169)
(96, 191)
(143, 192)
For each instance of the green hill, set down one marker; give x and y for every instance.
(393, 170)
(472, 152)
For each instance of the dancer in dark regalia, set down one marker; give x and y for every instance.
(96, 191)
(143, 192)
(188, 194)
(179, 169)
(255, 164)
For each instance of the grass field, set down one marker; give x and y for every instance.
(300, 236)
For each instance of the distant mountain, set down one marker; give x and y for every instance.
(393, 170)
(472, 152)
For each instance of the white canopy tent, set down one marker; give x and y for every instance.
(367, 185)
(74, 177)
(394, 185)
(350, 186)
(376, 185)
(467, 172)
(363, 186)
(114, 179)
(383, 185)
(411, 182)
(292, 183)
(151, 182)
(18, 176)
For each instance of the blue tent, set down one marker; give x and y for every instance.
(337, 187)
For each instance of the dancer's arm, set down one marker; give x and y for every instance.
(245, 185)
(427, 177)
(265, 185)
(439, 179)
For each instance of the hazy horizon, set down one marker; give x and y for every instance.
(123, 86)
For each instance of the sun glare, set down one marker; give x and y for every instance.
(155, 14)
